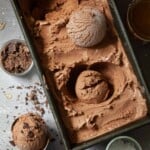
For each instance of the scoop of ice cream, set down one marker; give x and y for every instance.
(29, 132)
(91, 87)
(87, 26)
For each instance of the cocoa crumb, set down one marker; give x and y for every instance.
(33, 95)
(19, 87)
(40, 92)
(12, 143)
(16, 107)
(38, 84)
(26, 98)
(28, 87)
(41, 110)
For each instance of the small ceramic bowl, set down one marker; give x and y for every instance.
(138, 19)
(123, 143)
(3, 49)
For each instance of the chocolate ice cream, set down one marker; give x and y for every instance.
(15, 57)
(29, 132)
(87, 26)
(119, 100)
(91, 87)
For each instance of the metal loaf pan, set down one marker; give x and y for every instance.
(131, 56)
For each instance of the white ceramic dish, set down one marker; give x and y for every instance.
(123, 143)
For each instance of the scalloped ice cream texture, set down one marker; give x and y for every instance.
(87, 26)
(65, 62)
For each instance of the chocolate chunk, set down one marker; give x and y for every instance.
(37, 126)
(25, 125)
(22, 131)
(33, 95)
(30, 134)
